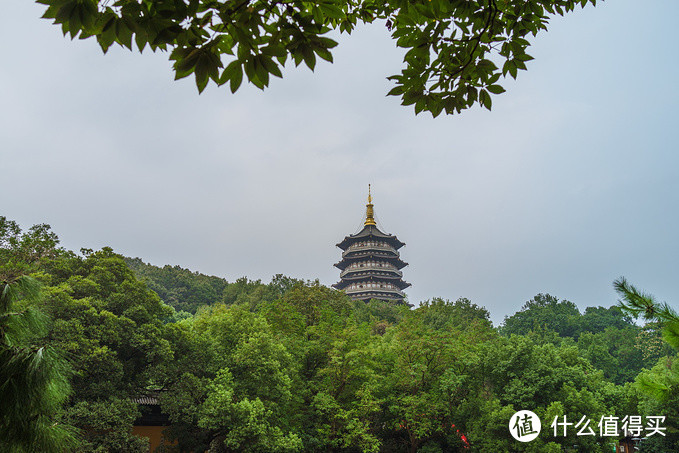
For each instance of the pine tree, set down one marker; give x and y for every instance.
(33, 378)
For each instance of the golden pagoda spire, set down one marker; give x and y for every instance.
(369, 212)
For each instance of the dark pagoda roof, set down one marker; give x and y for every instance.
(370, 231)
(380, 294)
(151, 414)
(347, 280)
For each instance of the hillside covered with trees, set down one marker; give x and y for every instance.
(295, 366)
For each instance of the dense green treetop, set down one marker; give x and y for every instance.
(456, 51)
(112, 329)
(617, 352)
(607, 337)
(22, 252)
(543, 310)
(107, 318)
(444, 314)
(553, 381)
(563, 317)
(187, 291)
(181, 288)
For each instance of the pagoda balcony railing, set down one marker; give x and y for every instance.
(387, 248)
(357, 291)
(367, 251)
(387, 270)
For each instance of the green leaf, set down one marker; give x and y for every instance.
(486, 65)
(201, 71)
(332, 11)
(229, 71)
(141, 38)
(236, 78)
(123, 34)
(262, 75)
(186, 58)
(327, 42)
(495, 89)
(270, 66)
(411, 96)
(435, 107)
(250, 68)
(324, 54)
(396, 91)
(420, 104)
(64, 13)
(318, 14)
(485, 100)
(274, 50)
(309, 57)
(297, 56)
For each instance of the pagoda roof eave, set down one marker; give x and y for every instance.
(369, 253)
(360, 275)
(370, 231)
(395, 296)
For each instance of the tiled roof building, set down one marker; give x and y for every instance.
(371, 264)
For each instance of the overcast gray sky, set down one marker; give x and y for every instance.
(570, 182)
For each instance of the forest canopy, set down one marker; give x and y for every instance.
(295, 366)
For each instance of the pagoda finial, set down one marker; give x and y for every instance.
(369, 212)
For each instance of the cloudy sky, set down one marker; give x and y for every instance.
(570, 182)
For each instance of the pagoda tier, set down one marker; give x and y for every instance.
(370, 232)
(380, 255)
(371, 264)
(351, 280)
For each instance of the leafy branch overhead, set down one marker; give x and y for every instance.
(457, 50)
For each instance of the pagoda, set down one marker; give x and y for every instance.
(371, 265)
